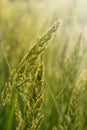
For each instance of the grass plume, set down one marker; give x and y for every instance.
(26, 83)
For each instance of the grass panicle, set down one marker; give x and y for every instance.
(72, 121)
(27, 83)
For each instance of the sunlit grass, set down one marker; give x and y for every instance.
(22, 24)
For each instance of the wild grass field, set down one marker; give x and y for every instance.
(43, 67)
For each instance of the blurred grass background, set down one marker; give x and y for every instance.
(22, 22)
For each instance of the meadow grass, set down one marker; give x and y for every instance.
(41, 91)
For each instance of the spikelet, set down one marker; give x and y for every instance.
(72, 121)
(9, 88)
(33, 101)
(27, 83)
(74, 60)
(28, 66)
(69, 74)
(19, 119)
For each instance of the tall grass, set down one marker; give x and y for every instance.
(41, 92)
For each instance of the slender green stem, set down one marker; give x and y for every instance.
(53, 97)
(5, 57)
